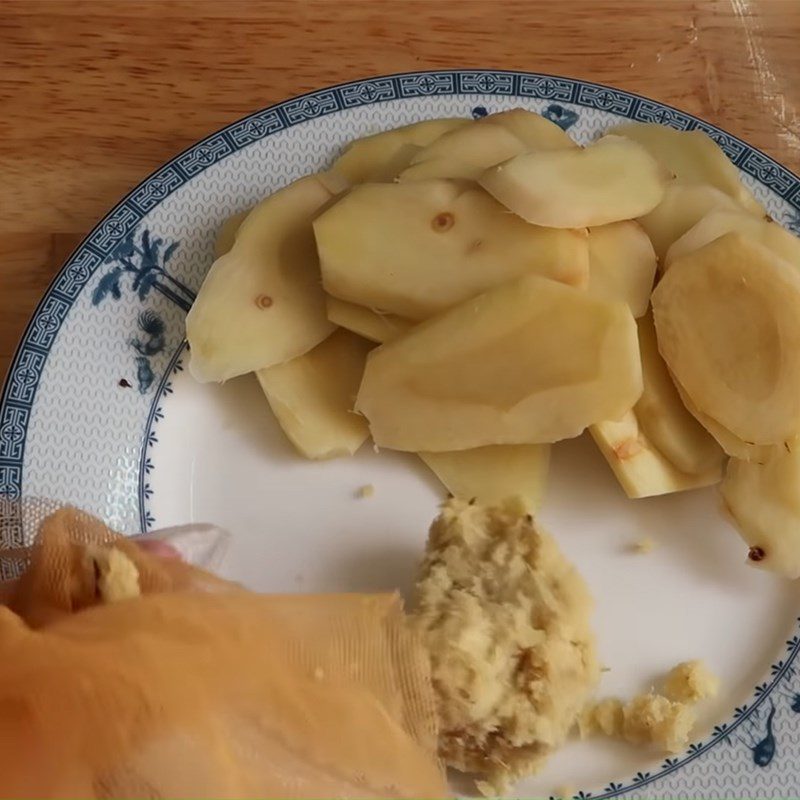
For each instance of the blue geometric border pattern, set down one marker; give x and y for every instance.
(312, 106)
(605, 99)
(373, 91)
(157, 187)
(207, 153)
(648, 111)
(19, 391)
(547, 87)
(256, 127)
(486, 83)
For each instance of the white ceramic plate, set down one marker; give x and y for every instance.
(98, 410)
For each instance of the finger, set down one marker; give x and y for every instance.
(154, 547)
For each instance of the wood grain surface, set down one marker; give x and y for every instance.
(95, 95)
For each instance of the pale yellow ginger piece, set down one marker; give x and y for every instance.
(605, 717)
(366, 322)
(658, 447)
(654, 719)
(507, 621)
(665, 720)
(494, 473)
(529, 362)
(609, 716)
(693, 157)
(117, 576)
(647, 719)
(375, 158)
(364, 492)
(644, 545)
(763, 503)
(312, 396)
(226, 234)
(261, 303)
(690, 681)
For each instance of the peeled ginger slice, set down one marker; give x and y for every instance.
(469, 150)
(641, 469)
(683, 206)
(664, 418)
(312, 396)
(611, 180)
(692, 157)
(226, 235)
(764, 502)
(728, 324)
(622, 264)
(731, 444)
(443, 167)
(474, 146)
(377, 157)
(718, 222)
(658, 447)
(532, 129)
(414, 249)
(495, 473)
(262, 302)
(365, 322)
(529, 362)
(388, 169)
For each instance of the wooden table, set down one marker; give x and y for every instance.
(95, 95)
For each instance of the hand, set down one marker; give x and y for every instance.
(157, 548)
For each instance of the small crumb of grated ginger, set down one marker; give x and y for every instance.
(365, 491)
(666, 721)
(646, 719)
(643, 546)
(690, 682)
(117, 576)
(604, 717)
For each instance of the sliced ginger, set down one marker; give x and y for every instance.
(729, 442)
(493, 474)
(728, 323)
(381, 156)
(365, 322)
(622, 264)
(530, 362)
(312, 396)
(262, 303)
(764, 503)
(468, 151)
(683, 206)
(718, 222)
(692, 157)
(226, 235)
(611, 180)
(532, 129)
(658, 447)
(415, 249)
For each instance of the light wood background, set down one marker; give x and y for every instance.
(95, 95)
